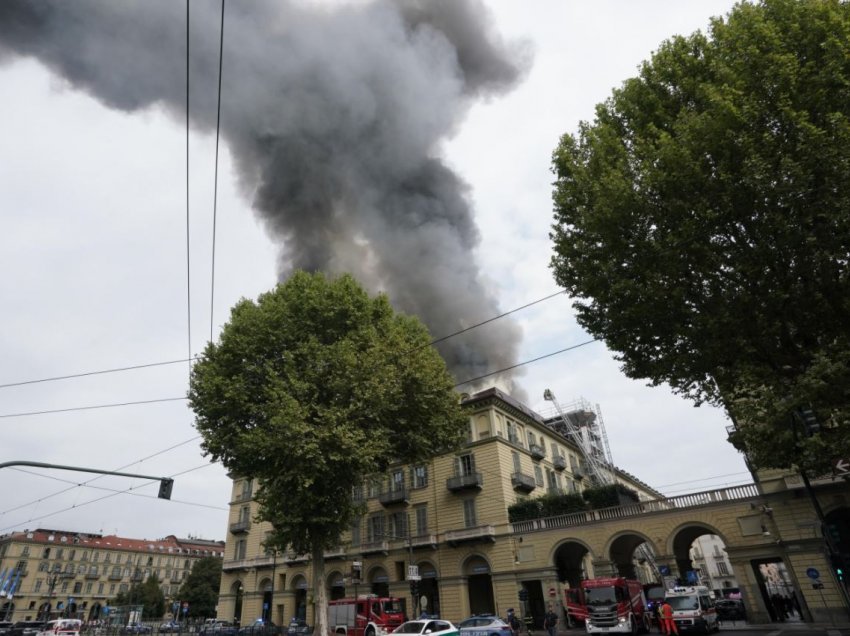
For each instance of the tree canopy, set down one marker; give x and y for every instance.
(200, 589)
(702, 223)
(313, 388)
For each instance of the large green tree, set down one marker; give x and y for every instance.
(200, 589)
(311, 389)
(702, 223)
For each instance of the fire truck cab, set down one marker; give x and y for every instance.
(615, 604)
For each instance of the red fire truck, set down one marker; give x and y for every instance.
(368, 615)
(574, 602)
(615, 604)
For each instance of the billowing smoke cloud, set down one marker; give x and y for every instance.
(334, 114)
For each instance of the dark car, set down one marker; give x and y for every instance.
(136, 628)
(5, 626)
(730, 609)
(260, 629)
(26, 628)
(169, 627)
(220, 628)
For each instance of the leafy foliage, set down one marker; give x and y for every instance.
(702, 223)
(311, 389)
(545, 506)
(148, 594)
(200, 589)
(609, 496)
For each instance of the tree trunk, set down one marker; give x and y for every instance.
(320, 595)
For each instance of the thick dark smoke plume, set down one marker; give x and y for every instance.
(334, 114)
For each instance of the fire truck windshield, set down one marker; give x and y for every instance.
(392, 607)
(601, 595)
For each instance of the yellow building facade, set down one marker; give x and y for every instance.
(58, 572)
(448, 517)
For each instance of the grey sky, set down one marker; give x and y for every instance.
(93, 250)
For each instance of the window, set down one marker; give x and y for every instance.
(37, 587)
(530, 437)
(93, 569)
(517, 465)
(123, 588)
(375, 530)
(357, 492)
(25, 551)
(245, 514)
(100, 588)
(421, 513)
(240, 549)
(43, 566)
(107, 558)
(246, 489)
(78, 587)
(397, 481)
(60, 553)
(466, 464)
(96, 557)
(355, 533)
(469, 518)
(556, 452)
(88, 587)
(46, 553)
(550, 478)
(72, 554)
(374, 487)
(85, 556)
(538, 475)
(513, 432)
(112, 589)
(116, 571)
(420, 476)
(64, 589)
(722, 568)
(398, 524)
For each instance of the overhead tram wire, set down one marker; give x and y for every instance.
(215, 184)
(188, 252)
(92, 407)
(195, 358)
(91, 479)
(91, 501)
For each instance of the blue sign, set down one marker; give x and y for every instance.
(692, 577)
(664, 569)
(812, 573)
(185, 610)
(106, 610)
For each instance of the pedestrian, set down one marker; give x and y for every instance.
(550, 622)
(513, 621)
(667, 619)
(656, 614)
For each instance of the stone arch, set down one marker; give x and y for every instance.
(336, 584)
(298, 586)
(621, 547)
(568, 556)
(477, 570)
(265, 584)
(237, 589)
(429, 589)
(680, 540)
(378, 580)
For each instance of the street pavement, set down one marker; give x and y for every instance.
(742, 628)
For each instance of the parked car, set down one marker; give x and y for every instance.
(62, 627)
(730, 609)
(484, 625)
(5, 626)
(169, 627)
(298, 627)
(219, 628)
(428, 626)
(136, 628)
(260, 628)
(26, 628)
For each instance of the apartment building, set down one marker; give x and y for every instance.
(59, 572)
(447, 516)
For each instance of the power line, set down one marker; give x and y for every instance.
(691, 481)
(91, 479)
(188, 258)
(101, 372)
(215, 180)
(520, 364)
(91, 501)
(92, 407)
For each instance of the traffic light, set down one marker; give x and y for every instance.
(839, 572)
(523, 594)
(165, 486)
(414, 589)
(810, 421)
(356, 570)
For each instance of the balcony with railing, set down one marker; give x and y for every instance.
(428, 541)
(468, 481)
(394, 496)
(240, 527)
(335, 553)
(243, 497)
(476, 534)
(92, 575)
(375, 547)
(522, 482)
(537, 451)
(115, 577)
(559, 462)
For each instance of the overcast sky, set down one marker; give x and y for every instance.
(93, 257)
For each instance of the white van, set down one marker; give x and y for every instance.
(63, 627)
(693, 608)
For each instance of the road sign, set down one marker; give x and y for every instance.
(552, 591)
(842, 467)
(664, 570)
(813, 573)
(413, 573)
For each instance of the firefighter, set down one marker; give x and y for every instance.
(667, 622)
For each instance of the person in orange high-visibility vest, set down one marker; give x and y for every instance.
(667, 622)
